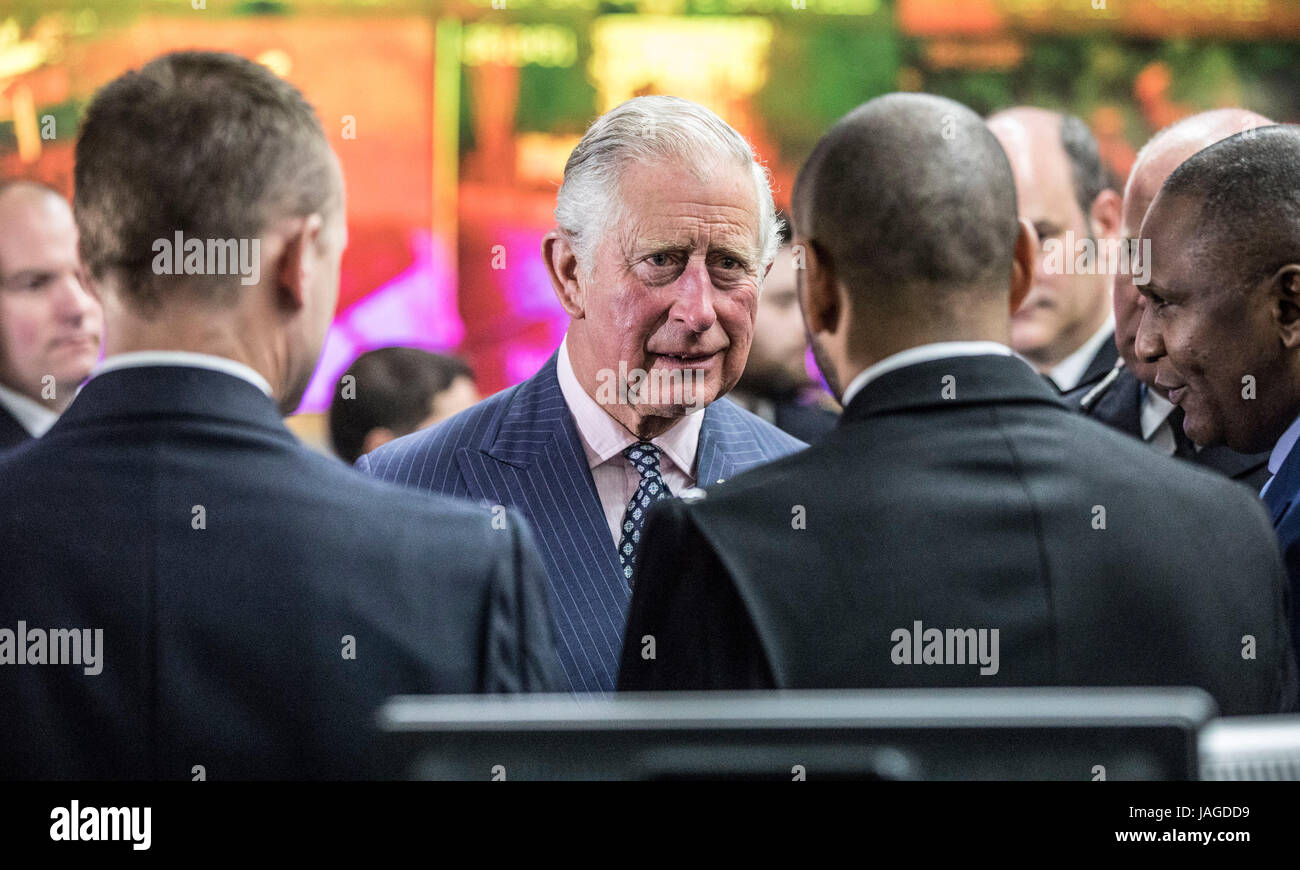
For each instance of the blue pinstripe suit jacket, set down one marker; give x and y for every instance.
(520, 448)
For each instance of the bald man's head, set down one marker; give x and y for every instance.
(910, 195)
(907, 206)
(1157, 159)
(1221, 321)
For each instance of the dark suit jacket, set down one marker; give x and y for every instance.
(980, 511)
(1119, 405)
(521, 448)
(1101, 363)
(224, 639)
(12, 432)
(1282, 499)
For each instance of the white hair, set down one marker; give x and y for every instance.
(643, 130)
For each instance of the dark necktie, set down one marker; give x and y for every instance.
(644, 457)
(1184, 448)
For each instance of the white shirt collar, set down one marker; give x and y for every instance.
(141, 358)
(603, 437)
(1155, 411)
(30, 414)
(1069, 371)
(920, 354)
(1284, 446)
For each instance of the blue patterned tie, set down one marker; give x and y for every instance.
(644, 457)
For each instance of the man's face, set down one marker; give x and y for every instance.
(1063, 310)
(776, 360)
(1205, 332)
(1128, 300)
(674, 287)
(49, 325)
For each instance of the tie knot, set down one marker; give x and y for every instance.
(644, 457)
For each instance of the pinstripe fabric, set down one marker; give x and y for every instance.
(520, 448)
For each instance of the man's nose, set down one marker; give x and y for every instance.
(694, 304)
(74, 301)
(1149, 344)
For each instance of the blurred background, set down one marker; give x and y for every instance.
(453, 119)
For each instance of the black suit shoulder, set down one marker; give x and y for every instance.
(258, 601)
(1100, 562)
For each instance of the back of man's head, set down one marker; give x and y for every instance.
(911, 199)
(211, 145)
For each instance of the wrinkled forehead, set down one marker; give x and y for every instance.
(714, 201)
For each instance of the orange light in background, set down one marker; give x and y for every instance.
(277, 61)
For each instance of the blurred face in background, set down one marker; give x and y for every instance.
(1063, 310)
(459, 395)
(50, 327)
(776, 358)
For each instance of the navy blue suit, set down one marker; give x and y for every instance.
(232, 571)
(12, 432)
(521, 448)
(1282, 498)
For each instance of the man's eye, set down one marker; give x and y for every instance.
(659, 260)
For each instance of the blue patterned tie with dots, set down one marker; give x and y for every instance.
(644, 457)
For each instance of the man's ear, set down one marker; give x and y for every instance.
(562, 266)
(1022, 266)
(296, 266)
(1285, 290)
(819, 295)
(1106, 215)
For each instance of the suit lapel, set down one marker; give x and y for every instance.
(727, 445)
(1121, 406)
(534, 462)
(1282, 489)
(1229, 462)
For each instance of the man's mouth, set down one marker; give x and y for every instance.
(688, 360)
(1174, 394)
(76, 342)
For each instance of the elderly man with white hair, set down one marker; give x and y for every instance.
(665, 230)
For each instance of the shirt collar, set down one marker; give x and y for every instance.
(1155, 411)
(920, 354)
(603, 437)
(141, 358)
(1069, 371)
(30, 414)
(1284, 446)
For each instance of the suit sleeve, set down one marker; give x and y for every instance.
(687, 627)
(521, 655)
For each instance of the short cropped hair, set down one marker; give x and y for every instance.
(1088, 172)
(910, 191)
(1248, 190)
(208, 144)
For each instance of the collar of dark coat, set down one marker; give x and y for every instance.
(952, 382)
(164, 391)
